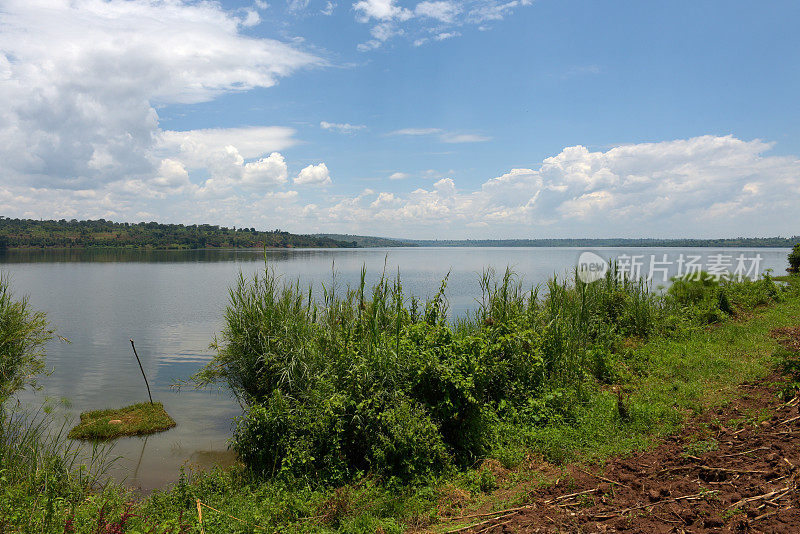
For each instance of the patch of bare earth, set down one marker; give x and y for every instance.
(788, 337)
(726, 472)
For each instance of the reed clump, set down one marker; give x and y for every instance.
(369, 380)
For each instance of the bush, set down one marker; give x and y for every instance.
(707, 299)
(794, 259)
(367, 381)
(23, 334)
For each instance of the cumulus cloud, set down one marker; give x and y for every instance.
(704, 186)
(345, 128)
(80, 81)
(381, 10)
(267, 171)
(252, 18)
(314, 175)
(197, 147)
(701, 187)
(399, 176)
(172, 176)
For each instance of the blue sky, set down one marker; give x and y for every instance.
(434, 119)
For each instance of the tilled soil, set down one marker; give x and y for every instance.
(726, 472)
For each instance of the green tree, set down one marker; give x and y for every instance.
(794, 259)
(23, 335)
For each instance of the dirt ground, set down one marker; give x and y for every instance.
(734, 469)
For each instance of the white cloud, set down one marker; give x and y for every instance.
(445, 137)
(80, 80)
(489, 11)
(198, 147)
(297, 6)
(267, 171)
(171, 176)
(329, 7)
(464, 138)
(415, 131)
(399, 176)
(314, 175)
(443, 11)
(380, 10)
(705, 186)
(252, 18)
(384, 31)
(447, 35)
(701, 187)
(345, 128)
(438, 17)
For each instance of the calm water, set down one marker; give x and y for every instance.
(171, 303)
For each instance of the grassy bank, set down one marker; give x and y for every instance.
(371, 411)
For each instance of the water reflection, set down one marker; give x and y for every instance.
(156, 256)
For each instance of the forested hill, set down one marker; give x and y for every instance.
(28, 233)
(368, 241)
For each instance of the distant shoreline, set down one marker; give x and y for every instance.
(30, 234)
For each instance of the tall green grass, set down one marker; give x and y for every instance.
(367, 379)
(41, 471)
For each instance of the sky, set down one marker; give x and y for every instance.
(434, 119)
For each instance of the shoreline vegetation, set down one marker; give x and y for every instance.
(370, 411)
(31, 234)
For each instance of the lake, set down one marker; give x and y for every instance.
(172, 302)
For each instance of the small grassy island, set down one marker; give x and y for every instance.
(135, 420)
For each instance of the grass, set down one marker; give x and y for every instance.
(135, 420)
(42, 472)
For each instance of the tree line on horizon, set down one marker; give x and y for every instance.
(100, 233)
(759, 242)
(31, 233)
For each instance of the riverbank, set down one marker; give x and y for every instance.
(664, 382)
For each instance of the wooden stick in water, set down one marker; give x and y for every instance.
(142, 369)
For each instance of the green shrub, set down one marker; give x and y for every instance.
(23, 334)
(789, 366)
(794, 259)
(365, 380)
(707, 299)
